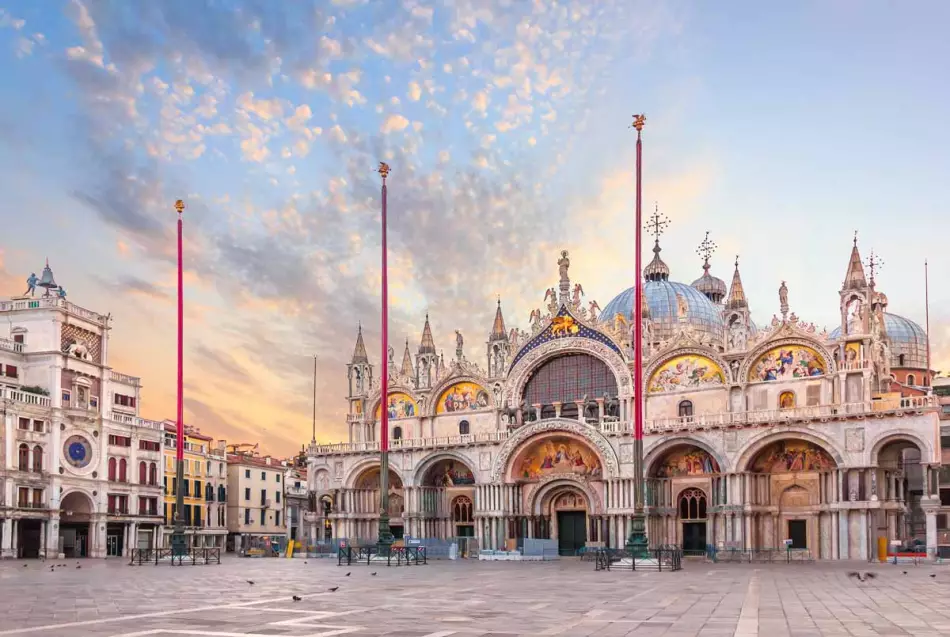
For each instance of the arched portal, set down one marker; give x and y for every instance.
(565, 511)
(902, 478)
(678, 469)
(692, 511)
(790, 473)
(76, 524)
(442, 480)
(561, 383)
(366, 503)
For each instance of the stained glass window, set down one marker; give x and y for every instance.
(569, 378)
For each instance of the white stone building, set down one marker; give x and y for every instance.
(80, 471)
(256, 500)
(753, 434)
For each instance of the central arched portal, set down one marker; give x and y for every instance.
(567, 507)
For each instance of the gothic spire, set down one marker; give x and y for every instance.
(498, 331)
(427, 345)
(406, 362)
(737, 298)
(855, 278)
(359, 352)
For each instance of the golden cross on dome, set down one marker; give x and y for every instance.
(706, 249)
(657, 223)
(873, 264)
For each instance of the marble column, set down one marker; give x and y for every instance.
(931, 515)
(844, 548)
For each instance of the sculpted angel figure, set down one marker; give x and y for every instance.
(593, 309)
(578, 293)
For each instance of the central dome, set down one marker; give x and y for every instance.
(701, 313)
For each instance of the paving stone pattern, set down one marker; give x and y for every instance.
(109, 598)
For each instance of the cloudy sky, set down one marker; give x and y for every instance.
(781, 129)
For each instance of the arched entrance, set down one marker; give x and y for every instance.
(567, 509)
(901, 482)
(680, 480)
(787, 478)
(447, 483)
(365, 504)
(692, 510)
(76, 524)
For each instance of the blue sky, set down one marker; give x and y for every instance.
(781, 129)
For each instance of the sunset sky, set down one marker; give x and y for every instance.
(781, 128)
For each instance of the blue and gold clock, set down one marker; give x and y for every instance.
(78, 451)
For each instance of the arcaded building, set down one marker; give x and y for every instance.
(755, 432)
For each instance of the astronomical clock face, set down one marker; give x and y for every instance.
(77, 451)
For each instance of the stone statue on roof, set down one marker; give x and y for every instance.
(31, 282)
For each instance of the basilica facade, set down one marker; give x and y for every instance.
(756, 435)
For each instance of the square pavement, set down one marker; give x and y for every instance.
(463, 598)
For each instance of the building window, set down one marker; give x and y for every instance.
(143, 473)
(263, 517)
(123, 470)
(397, 433)
(153, 474)
(263, 475)
(198, 517)
(24, 457)
(37, 498)
(209, 493)
(277, 493)
(222, 494)
(39, 426)
(197, 488)
(693, 505)
(247, 473)
(18, 338)
(37, 458)
(112, 469)
(186, 488)
(24, 424)
(149, 445)
(277, 518)
(911, 379)
(464, 428)
(23, 497)
(462, 510)
(263, 497)
(247, 516)
(120, 441)
(247, 493)
(124, 401)
(685, 409)
(11, 371)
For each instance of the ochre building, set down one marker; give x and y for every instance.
(755, 433)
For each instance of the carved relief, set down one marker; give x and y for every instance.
(730, 441)
(484, 461)
(626, 453)
(854, 439)
(80, 343)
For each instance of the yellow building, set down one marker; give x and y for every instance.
(204, 484)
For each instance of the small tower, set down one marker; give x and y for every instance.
(713, 287)
(405, 371)
(736, 315)
(499, 347)
(359, 373)
(426, 360)
(855, 296)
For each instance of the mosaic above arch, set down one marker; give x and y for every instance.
(449, 473)
(687, 461)
(564, 325)
(792, 455)
(686, 371)
(556, 455)
(369, 479)
(788, 362)
(462, 396)
(400, 405)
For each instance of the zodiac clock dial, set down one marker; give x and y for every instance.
(78, 451)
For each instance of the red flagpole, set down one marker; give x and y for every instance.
(385, 538)
(180, 424)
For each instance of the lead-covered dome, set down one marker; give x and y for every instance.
(907, 341)
(663, 299)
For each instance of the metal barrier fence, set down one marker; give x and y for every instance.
(658, 559)
(401, 555)
(760, 556)
(191, 556)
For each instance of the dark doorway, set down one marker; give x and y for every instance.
(397, 531)
(571, 532)
(798, 534)
(74, 538)
(28, 539)
(694, 538)
(464, 530)
(114, 540)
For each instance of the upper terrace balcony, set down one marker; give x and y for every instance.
(51, 302)
(8, 345)
(616, 427)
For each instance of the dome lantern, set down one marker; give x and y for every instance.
(713, 287)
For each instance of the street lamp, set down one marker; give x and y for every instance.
(637, 541)
(178, 534)
(385, 539)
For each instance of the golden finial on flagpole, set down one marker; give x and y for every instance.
(180, 206)
(383, 170)
(639, 121)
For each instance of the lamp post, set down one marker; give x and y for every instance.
(385, 539)
(637, 540)
(178, 533)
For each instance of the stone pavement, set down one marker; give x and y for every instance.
(111, 599)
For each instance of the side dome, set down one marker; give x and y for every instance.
(711, 286)
(701, 313)
(907, 340)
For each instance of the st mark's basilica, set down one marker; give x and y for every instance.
(755, 432)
